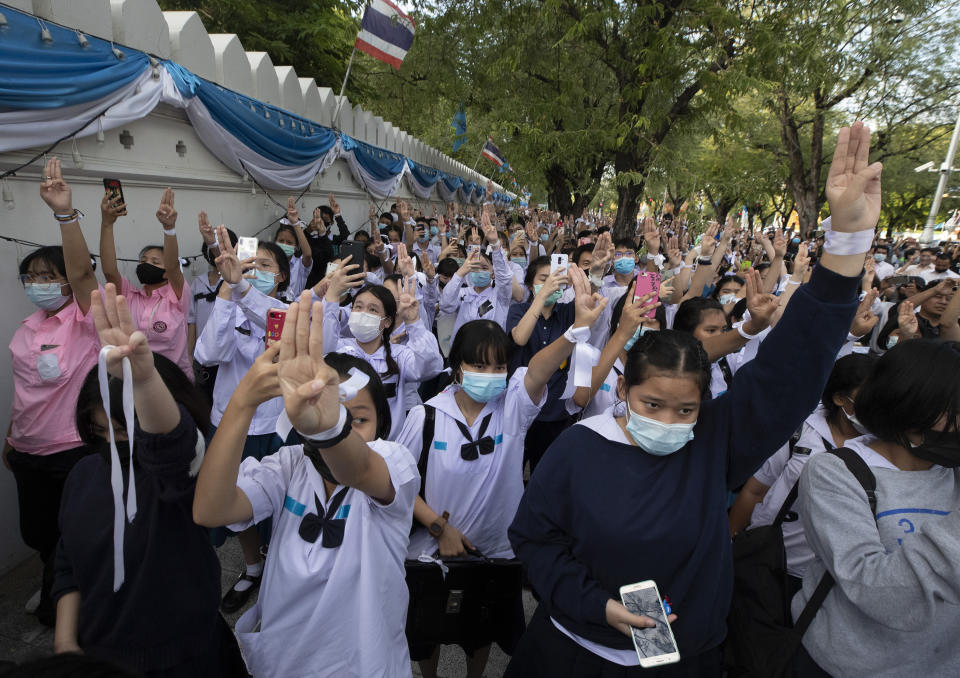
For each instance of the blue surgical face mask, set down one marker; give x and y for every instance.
(878, 257)
(892, 341)
(728, 299)
(459, 260)
(46, 295)
(434, 230)
(480, 278)
(657, 438)
(519, 261)
(552, 299)
(482, 386)
(264, 282)
(796, 241)
(643, 329)
(289, 250)
(624, 265)
(544, 237)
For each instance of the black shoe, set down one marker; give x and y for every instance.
(234, 599)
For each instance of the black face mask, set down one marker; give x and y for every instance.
(318, 463)
(148, 274)
(939, 447)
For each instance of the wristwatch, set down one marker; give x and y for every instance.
(436, 527)
(705, 261)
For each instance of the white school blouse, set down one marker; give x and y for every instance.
(330, 612)
(466, 302)
(481, 495)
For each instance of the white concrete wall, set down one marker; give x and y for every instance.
(152, 163)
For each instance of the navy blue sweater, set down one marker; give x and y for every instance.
(599, 514)
(166, 612)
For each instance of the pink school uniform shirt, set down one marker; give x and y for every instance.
(163, 318)
(51, 357)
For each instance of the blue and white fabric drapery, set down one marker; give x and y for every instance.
(59, 88)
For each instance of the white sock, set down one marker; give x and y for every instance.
(252, 570)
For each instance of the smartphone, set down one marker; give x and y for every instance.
(647, 282)
(472, 249)
(559, 262)
(114, 189)
(355, 250)
(275, 320)
(655, 646)
(331, 267)
(246, 248)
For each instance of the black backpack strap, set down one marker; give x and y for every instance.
(726, 371)
(858, 467)
(787, 504)
(429, 426)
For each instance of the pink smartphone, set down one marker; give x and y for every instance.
(647, 282)
(275, 320)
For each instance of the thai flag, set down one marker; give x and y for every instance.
(493, 154)
(386, 33)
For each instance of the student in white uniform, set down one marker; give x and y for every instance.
(232, 341)
(373, 316)
(479, 300)
(334, 598)
(474, 468)
(292, 240)
(203, 293)
(829, 427)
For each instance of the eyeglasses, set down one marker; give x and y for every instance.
(38, 278)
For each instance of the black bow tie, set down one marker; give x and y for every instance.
(472, 449)
(313, 524)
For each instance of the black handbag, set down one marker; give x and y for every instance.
(761, 636)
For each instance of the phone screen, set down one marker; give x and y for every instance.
(246, 248)
(113, 187)
(647, 282)
(651, 643)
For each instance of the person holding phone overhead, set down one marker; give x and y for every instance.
(666, 463)
(50, 354)
(232, 340)
(160, 307)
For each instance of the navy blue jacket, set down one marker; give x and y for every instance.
(598, 514)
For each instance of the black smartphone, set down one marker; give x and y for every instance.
(353, 249)
(114, 190)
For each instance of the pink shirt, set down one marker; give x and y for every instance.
(163, 318)
(51, 357)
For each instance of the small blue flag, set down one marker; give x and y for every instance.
(460, 125)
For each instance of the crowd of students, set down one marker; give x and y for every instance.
(456, 391)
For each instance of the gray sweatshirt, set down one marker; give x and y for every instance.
(895, 609)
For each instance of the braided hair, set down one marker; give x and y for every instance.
(385, 297)
(671, 351)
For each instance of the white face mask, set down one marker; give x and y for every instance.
(852, 418)
(364, 326)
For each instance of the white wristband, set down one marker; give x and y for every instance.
(839, 243)
(241, 286)
(329, 433)
(171, 231)
(743, 334)
(577, 335)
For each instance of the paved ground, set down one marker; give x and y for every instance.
(23, 638)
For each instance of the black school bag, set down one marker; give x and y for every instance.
(761, 636)
(473, 602)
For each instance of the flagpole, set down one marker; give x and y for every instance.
(343, 87)
(479, 156)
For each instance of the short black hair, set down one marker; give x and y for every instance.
(580, 251)
(185, 392)
(929, 250)
(667, 351)
(476, 341)
(51, 255)
(847, 375)
(943, 255)
(447, 266)
(912, 386)
(343, 363)
(361, 235)
(327, 210)
(532, 269)
(625, 242)
(690, 313)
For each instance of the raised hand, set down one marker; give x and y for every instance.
(347, 276)
(761, 306)
(111, 317)
(408, 306)
(489, 230)
(801, 262)
(373, 215)
(853, 185)
(206, 230)
(310, 387)
(54, 190)
(907, 321)
(110, 209)
(405, 263)
(230, 267)
(864, 320)
(426, 263)
(651, 237)
(333, 204)
(166, 215)
(404, 211)
(779, 244)
(554, 282)
(588, 305)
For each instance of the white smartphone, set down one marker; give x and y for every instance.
(246, 248)
(472, 249)
(559, 262)
(655, 646)
(331, 267)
